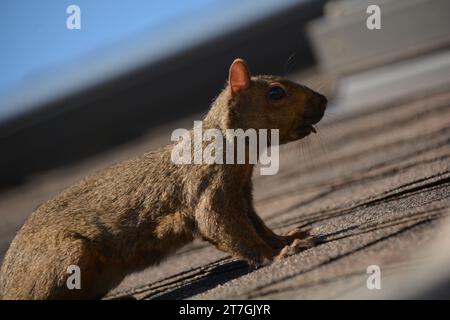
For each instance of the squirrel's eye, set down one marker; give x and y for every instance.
(276, 93)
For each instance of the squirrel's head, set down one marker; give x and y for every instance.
(269, 102)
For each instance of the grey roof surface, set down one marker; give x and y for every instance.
(374, 185)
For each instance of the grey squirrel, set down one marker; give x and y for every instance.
(134, 214)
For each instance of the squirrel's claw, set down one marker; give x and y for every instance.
(297, 233)
(298, 245)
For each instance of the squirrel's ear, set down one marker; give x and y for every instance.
(239, 77)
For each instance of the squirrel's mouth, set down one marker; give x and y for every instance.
(303, 131)
(313, 129)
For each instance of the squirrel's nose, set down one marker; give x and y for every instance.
(321, 101)
(316, 109)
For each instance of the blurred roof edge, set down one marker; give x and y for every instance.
(125, 107)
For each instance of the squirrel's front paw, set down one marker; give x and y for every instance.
(261, 258)
(297, 233)
(298, 245)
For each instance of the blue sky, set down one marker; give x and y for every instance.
(41, 60)
(34, 37)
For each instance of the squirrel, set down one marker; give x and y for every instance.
(134, 214)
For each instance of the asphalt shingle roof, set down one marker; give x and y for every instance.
(375, 185)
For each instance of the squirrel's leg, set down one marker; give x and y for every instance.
(80, 253)
(274, 240)
(231, 231)
(96, 271)
(48, 273)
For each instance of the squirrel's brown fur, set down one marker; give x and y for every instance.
(136, 213)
